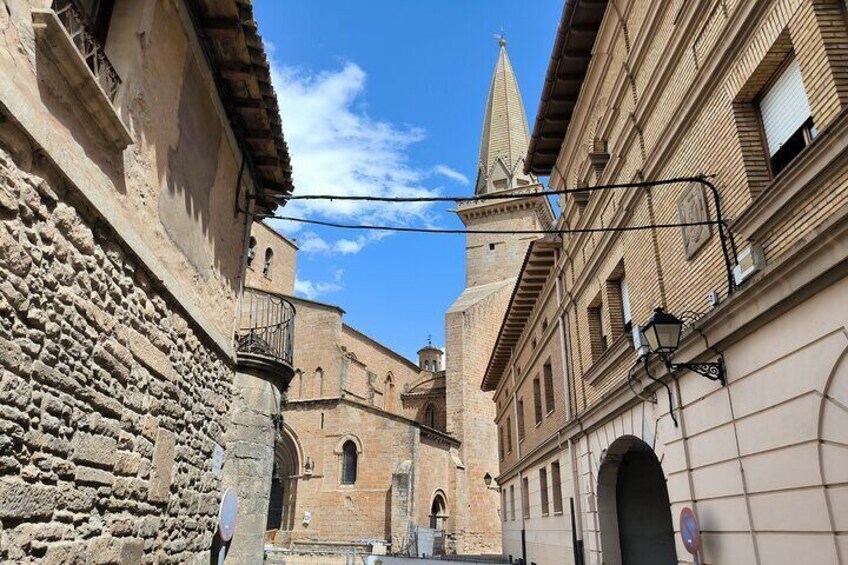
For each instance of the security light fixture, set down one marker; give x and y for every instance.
(662, 332)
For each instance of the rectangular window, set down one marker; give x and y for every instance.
(785, 113)
(548, 373)
(525, 497)
(503, 505)
(597, 337)
(500, 443)
(537, 400)
(556, 482)
(520, 419)
(509, 435)
(543, 489)
(625, 304)
(512, 502)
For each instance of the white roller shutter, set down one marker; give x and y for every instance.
(784, 108)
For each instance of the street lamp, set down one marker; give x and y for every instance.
(487, 478)
(662, 332)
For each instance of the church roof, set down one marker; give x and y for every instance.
(505, 139)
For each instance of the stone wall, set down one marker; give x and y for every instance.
(283, 264)
(112, 401)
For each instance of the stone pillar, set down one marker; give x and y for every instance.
(249, 459)
(402, 504)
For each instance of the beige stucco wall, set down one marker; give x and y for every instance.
(171, 193)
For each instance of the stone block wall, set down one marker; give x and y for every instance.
(112, 401)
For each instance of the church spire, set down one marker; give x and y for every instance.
(505, 133)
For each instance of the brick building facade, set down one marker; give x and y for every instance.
(604, 449)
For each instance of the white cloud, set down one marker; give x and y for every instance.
(337, 148)
(312, 290)
(452, 174)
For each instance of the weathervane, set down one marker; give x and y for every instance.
(501, 37)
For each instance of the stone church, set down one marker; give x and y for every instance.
(377, 449)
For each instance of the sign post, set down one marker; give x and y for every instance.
(690, 533)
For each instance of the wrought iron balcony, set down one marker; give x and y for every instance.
(73, 19)
(266, 331)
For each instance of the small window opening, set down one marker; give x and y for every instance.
(266, 269)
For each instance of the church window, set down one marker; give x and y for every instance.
(548, 373)
(349, 462)
(319, 382)
(491, 247)
(504, 508)
(251, 251)
(389, 393)
(512, 502)
(430, 416)
(426, 365)
(266, 268)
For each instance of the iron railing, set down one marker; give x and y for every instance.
(74, 21)
(266, 328)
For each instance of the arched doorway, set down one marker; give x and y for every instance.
(438, 512)
(281, 503)
(633, 506)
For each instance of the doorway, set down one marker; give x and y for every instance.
(633, 506)
(282, 498)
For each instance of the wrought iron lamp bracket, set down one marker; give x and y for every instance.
(714, 371)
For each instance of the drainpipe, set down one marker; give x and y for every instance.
(566, 374)
(576, 508)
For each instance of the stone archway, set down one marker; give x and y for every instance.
(283, 496)
(633, 506)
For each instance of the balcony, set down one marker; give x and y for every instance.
(67, 38)
(265, 338)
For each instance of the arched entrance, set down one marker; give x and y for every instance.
(438, 512)
(633, 506)
(281, 503)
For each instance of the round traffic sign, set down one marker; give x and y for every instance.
(690, 531)
(227, 514)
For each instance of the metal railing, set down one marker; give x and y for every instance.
(266, 326)
(74, 21)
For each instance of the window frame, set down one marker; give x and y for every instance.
(809, 136)
(347, 455)
(538, 409)
(543, 491)
(548, 378)
(556, 483)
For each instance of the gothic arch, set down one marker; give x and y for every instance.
(282, 499)
(346, 437)
(389, 392)
(439, 512)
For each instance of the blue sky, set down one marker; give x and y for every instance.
(386, 97)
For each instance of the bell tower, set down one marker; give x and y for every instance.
(493, 262)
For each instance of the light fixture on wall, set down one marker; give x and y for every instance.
(487, 478)
(662, 333)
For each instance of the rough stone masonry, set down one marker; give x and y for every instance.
(110, 403)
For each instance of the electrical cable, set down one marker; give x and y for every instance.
(494, 196)
(404, 229)
(667, 388)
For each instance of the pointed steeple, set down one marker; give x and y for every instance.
(503, 146)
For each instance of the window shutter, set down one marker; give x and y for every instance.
(784, 108)
(625, 301)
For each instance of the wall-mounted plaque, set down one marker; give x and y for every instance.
(692, 207)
